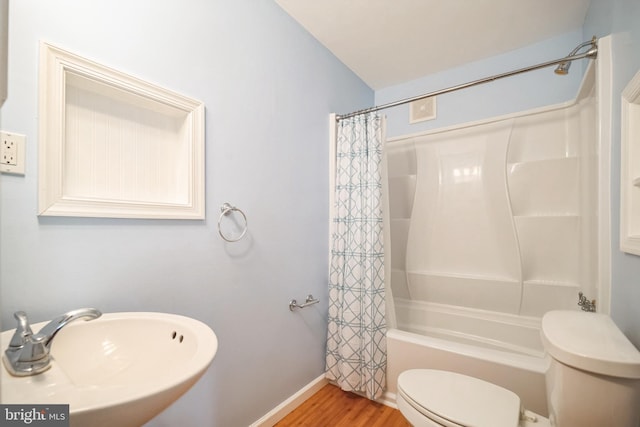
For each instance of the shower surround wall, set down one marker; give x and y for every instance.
(495, 222)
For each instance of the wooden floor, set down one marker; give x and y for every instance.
(332, 407)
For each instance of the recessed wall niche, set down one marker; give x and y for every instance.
(112, 145)
(630, 168)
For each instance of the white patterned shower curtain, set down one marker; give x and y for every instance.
(356, 345)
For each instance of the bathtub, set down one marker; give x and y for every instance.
(493, 347)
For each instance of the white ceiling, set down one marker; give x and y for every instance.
(387, 42)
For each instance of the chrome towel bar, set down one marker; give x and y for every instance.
(293, 304)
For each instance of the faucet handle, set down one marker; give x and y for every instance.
(23, 330)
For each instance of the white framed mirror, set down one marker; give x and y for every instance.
(112, 145)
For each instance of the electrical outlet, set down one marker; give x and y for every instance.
(9, 152)
(12, 153)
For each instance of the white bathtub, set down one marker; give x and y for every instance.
(448, 344)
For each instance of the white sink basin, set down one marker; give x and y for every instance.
(121, 369)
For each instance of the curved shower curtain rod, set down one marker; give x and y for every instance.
(563, 68)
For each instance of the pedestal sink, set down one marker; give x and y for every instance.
(121, 369)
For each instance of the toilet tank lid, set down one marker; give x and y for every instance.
(591, 342)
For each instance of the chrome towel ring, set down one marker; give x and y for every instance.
(225, 210)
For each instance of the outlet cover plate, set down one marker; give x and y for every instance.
(12, 153)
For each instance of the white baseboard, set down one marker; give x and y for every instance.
(388, 399)
(280, 411)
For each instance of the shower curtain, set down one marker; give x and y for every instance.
(356, 346)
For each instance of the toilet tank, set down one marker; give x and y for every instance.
(594, 374)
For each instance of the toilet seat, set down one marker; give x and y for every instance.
(455, 400)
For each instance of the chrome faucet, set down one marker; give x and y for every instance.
(29, 353)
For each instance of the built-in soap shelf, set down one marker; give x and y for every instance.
(547, 282)
(546, 215)
(550, 160)
(480, 277)
(636, 182)
(532, 281)
(468, 290)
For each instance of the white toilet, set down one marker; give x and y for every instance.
(593, 381)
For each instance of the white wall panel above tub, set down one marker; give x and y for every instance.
(399, 233)
(545, 187)
(540, 296)
(549, 247)
(402, 190)
(461, 221)
(541, 136)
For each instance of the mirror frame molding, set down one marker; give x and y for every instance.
(630, 168)
(186, 171)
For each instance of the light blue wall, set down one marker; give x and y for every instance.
(268, 87)
(517, 93)
(621, 19)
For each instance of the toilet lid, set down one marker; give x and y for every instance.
(459, 399)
